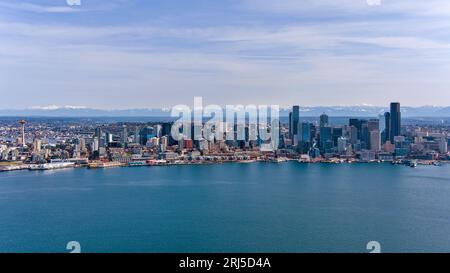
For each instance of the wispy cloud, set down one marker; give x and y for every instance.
(361, 7)
(29, 7)
(345, 60)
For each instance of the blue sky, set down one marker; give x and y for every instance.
(148, 53)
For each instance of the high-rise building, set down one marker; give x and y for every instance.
(373, 125)
(337, 133)
(125, 135)
(342, 145)
(382, 120)
(77, 151)
(387, 129)
(136, 134)
(295, 120)
(197, 131)
(146, 133)
(323, 120)
(304, 137)
(353, 135)
(375, 141)
(304, 131)
(365, 134)
(396, 121)
(99, 136)
(37, 146)
(357, 124)
(158, 130)
(109, 138)
(163, 143)
(326, 139)
(290, 125)
(82, 142)
(166, 131)
(95, 144)
(443, 146)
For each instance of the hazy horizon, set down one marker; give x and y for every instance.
(167, 108)
(306, 111)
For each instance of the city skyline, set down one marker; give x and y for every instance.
(216, 135)
(181, 141)
(128, 54)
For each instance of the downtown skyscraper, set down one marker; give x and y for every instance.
(395, 121)
(387, 127)
(294, 121)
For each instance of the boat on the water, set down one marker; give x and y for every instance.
(51, 166)
(102, 165)
(246, 161)
(278, 160)
(413, 163)
(15, 167)
(137, 164)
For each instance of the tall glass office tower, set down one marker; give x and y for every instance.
(323, 120)
(396, 121)
(295, 120)
(387, 127)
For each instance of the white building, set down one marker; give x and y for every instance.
(342, 145)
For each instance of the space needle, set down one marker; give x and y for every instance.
(22, 124)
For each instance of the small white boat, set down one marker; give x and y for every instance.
(413, 164)
(51, 166)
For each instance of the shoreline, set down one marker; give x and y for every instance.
(112, 164)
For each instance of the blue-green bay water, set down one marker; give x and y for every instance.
(261, 207)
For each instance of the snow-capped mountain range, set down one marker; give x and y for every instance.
(339, 111)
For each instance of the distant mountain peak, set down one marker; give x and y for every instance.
(309, 111)
(56, 107)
